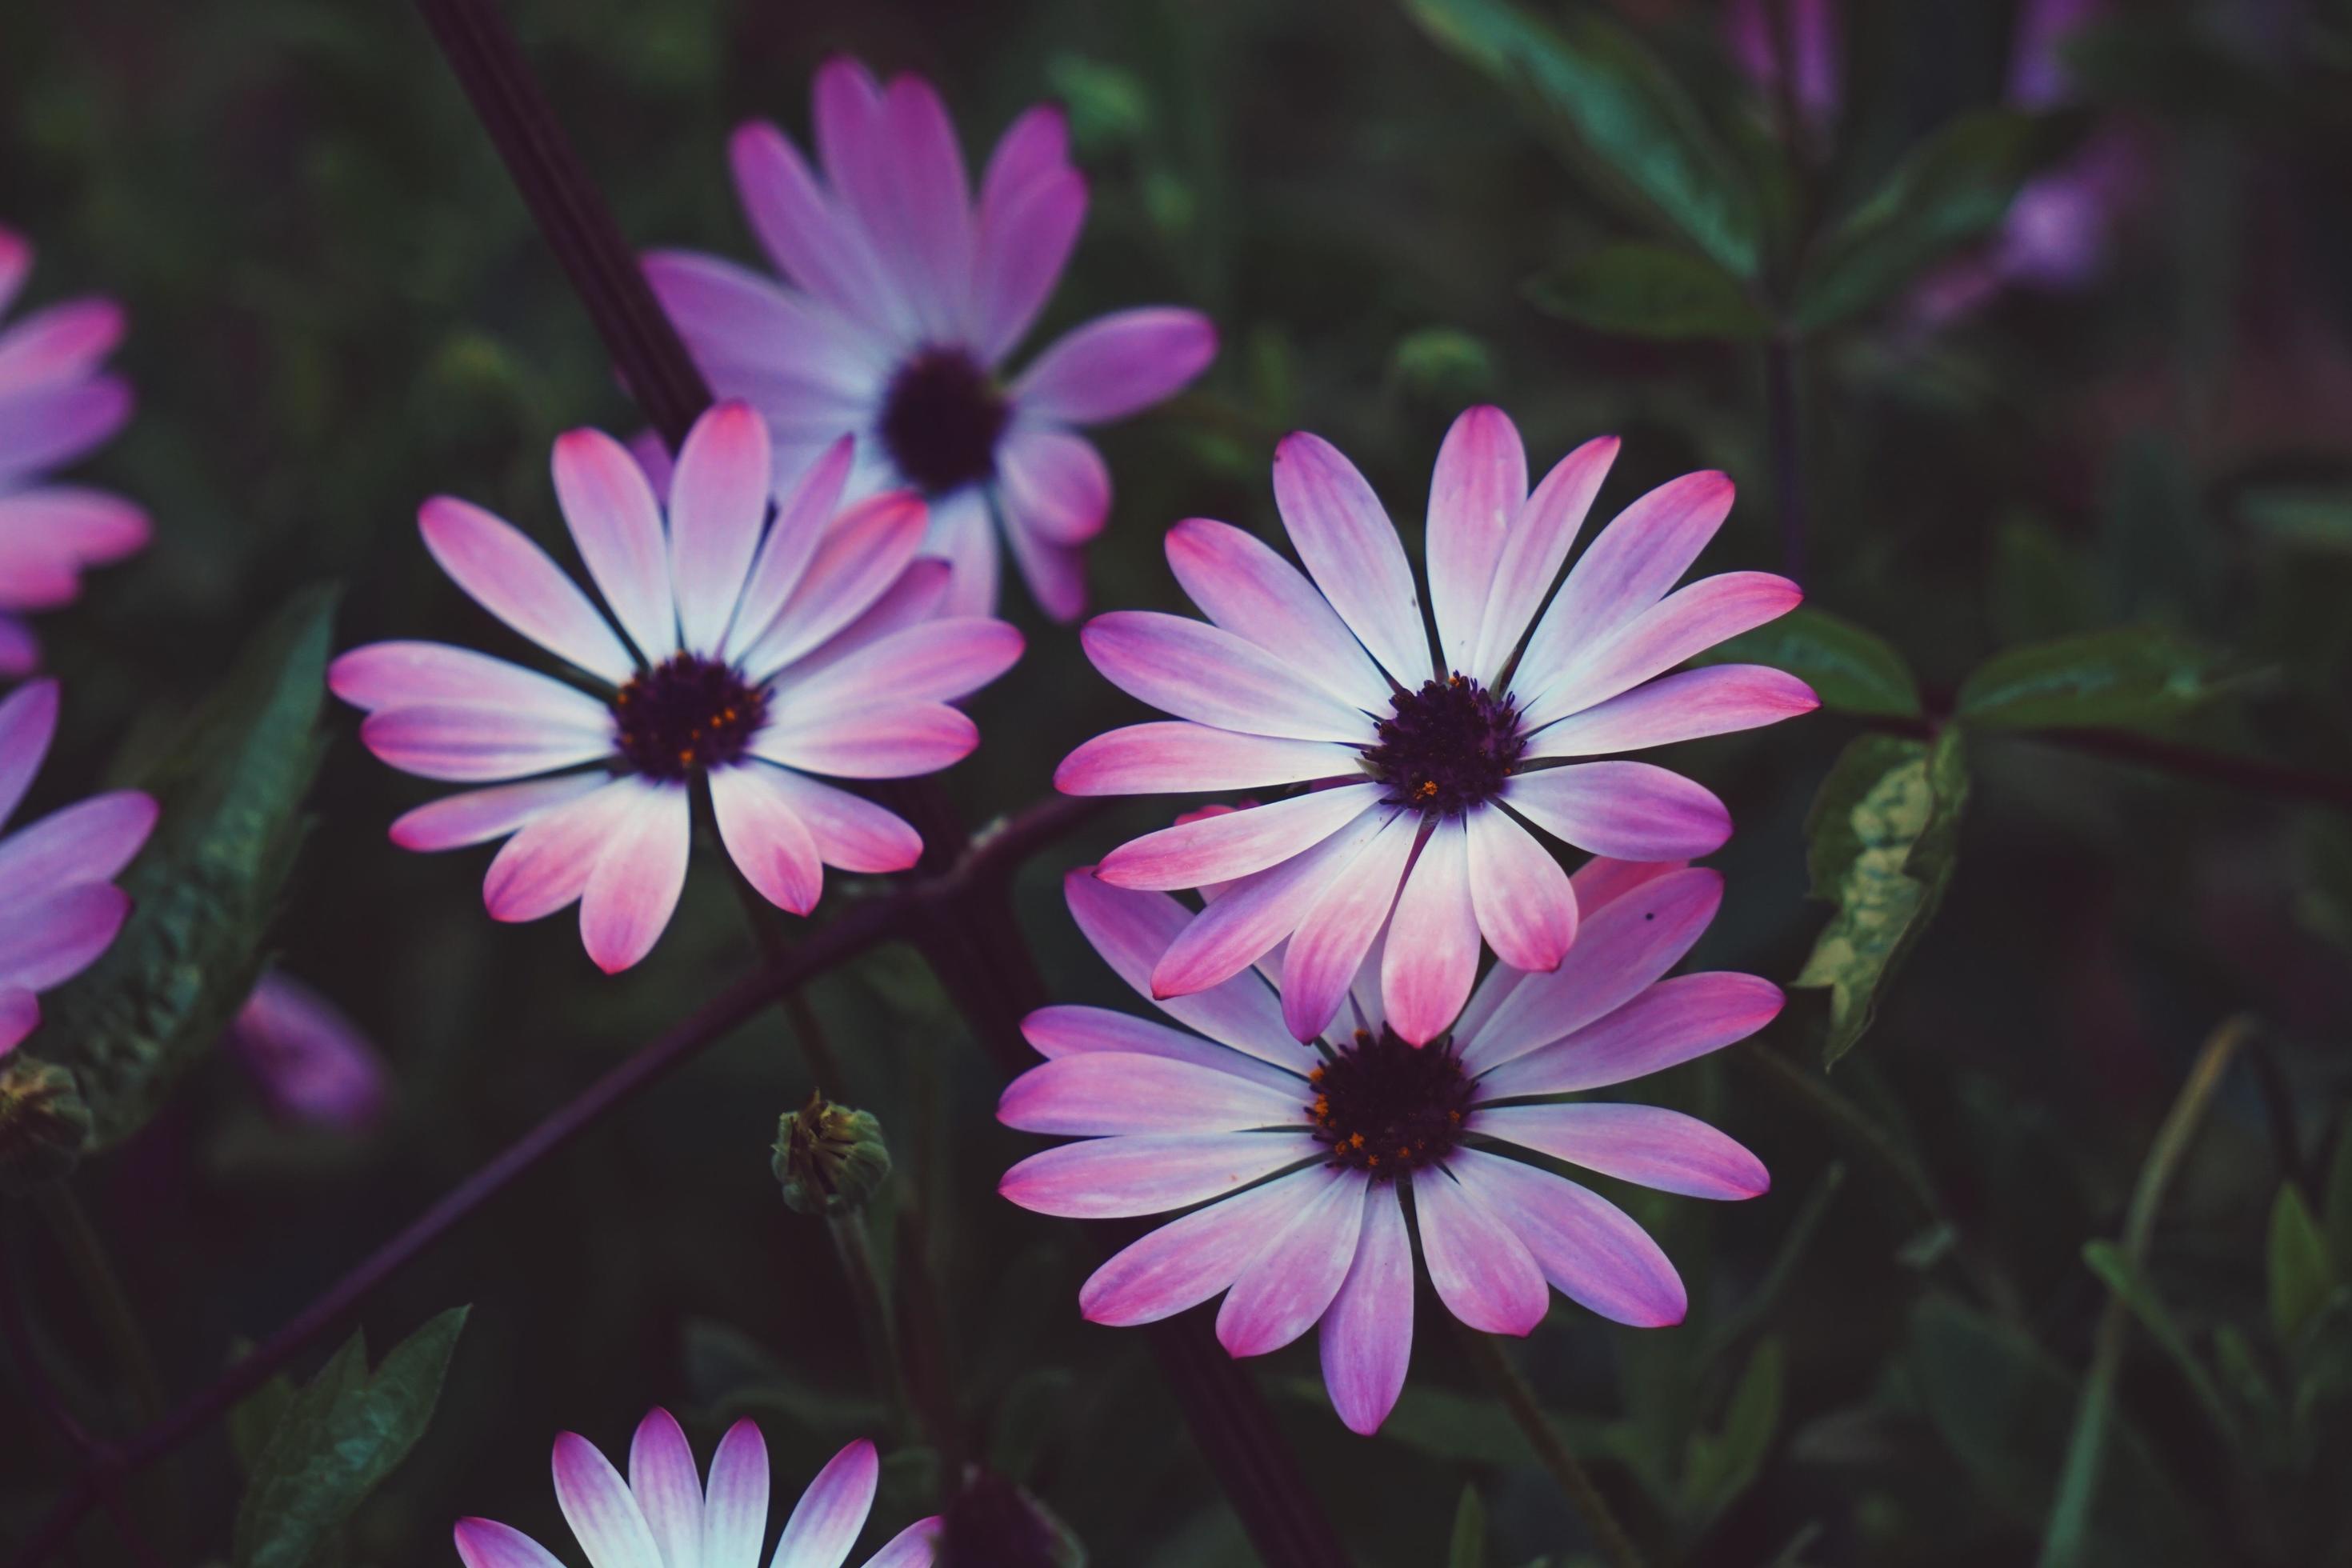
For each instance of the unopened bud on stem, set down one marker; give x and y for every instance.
(831, 1160)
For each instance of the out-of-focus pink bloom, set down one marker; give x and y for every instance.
(55, 405)
(59, 904)
(755, 659)
(1753, 30)
(664, 1515)
(1299, 1155)
(906, 295)
(1421, 771)
(311, 1063)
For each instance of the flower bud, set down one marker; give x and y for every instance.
(830, 1159)
(43, 1122)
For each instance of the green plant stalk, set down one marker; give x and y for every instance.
(1616, 1547)
(875, 1328)
(2068, 1533)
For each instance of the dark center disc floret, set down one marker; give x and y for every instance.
(1447, 747)
(685, 715)
(940, 420)
(1385, 1107)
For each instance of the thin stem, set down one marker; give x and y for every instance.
(101, 1287)
(16, 1329)
(1616, 1547)
(2078, 1483)
(1785, 425)
(856, 1248)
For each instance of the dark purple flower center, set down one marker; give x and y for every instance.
(940, 420)
(1447, 747)
(1385, 1107)
(686, 715)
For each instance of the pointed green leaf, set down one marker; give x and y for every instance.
(1725, 1463)
(336, 1442)
(2299, 1280)
(1597, 91)
(1954, 188)
(1643, 291)
(2124, 678)
(206, 890)
(2132, 1287)
(1883, 833)
(1850, 669)
(1469, 1547)
(2040, 587)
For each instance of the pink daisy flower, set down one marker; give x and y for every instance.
(754, 661)
(1422, 771)
(59, 904)
(665, 1516)
(903, 298)
(55, 405)
(1300, 1157)
(311, 1063)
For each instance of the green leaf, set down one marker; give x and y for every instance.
(1597, 90)
(207, 888)
(1725, 1463)
(1644, 290)
(2302, 517)
(2299, 1279)
(2004, 1408)
(2132, 1288)
(337, 1440)
(2124, 678)
(1883, 834)
(1954, 187)
(1469, 1547)
(1851, 670)
(2041, 586)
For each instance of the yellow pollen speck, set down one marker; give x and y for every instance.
(1428, 788)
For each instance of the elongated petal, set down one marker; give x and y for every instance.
(1482, 1270)
(1367, 1338)
(1114, 1178)
(1025, 240)
(1671, 1023)
(1432, 956)
(765, 836)
(718, 500)
(71, 526)
(1179, 757)
(1100, 1092)
(668, 1487)
(596, 1502)
(1246, 919)
(417, 674)
(486, 1543)
(805, 365)
(1628, 811)
(1072, 1030)
(16, 264)
(893, 741)
(1116, 365)
(477, 816)
(1642, 553)
(1187, 1261)
(638, 876)
(1287, 1287)
(1234, 843)
(1688, 621)
(849, 831)
(914, 1547)
(1243, 585)
(28, 718)
(1036, 144)
(20, 1015)
(1587, 1247)
(797, 224)
(1525, 903)
(918, 595)
(609, 505)
(545, 866)
(735, 1502)
(937, 661)
(1203, 672)
(1684, 706)
(825, 1522)
(802, 513)
(481, 744)
(1133, 930)
(66, 339)
(1053, 483)
(1339, 530)
(1601, 881)
(1643, 1144)
(513, 579)
(1621, 948)
(45, 427)
(1478, 489)
(52, 936)
(868, 547)
(89, 841)
(1332, 937)
(963, 534)
(931, 234)
(1056, 573)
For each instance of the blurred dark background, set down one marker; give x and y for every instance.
(338, 307)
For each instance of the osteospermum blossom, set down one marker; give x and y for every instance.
(59, 904)
(55, 405)
(1301, 1155)
(665, 1516)
(754, 662)
(905, 296)
(1420, 770)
